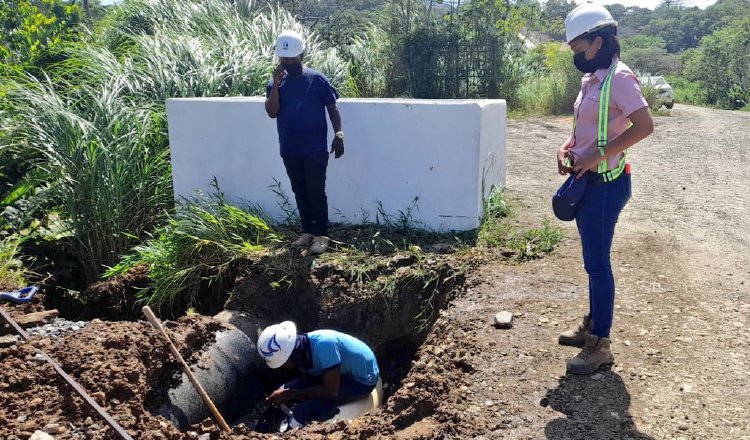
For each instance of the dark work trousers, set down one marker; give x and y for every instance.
(307, 174)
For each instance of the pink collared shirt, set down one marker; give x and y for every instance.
(625, 98)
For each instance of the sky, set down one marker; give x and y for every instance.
(651, 4)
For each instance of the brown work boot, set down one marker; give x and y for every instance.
(595, 353)
(577, 337)
(303, 241)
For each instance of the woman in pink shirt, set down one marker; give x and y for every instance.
(596, 152)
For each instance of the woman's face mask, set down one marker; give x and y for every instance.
(601, 60)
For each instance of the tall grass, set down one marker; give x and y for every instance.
(96, 124)
(209, 47)
(546, 95)
(11, 267)
(369, 62)
(199, 246)
(553, 87)
(105, 160)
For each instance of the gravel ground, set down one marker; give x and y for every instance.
(681, 263)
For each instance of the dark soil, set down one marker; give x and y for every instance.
(396, 300)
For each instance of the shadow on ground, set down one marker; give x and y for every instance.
(595, 407)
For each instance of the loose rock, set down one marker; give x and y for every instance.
(8, 341)
(504, 319)
(51, 428)
(41, 435)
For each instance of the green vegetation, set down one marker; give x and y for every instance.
(32, 28)
(199, 247)
(721, 65)
(689, 92)
(702, 51)
(91, 134)
(12, 272)
(498, 232)
(553, 85)
(84, 155)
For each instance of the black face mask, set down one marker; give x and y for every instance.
(601, 60)
(293, 69)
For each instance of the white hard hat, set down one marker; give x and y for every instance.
(586, 18)
(276, 343)
(289, 45)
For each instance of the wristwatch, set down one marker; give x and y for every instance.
(340, 135)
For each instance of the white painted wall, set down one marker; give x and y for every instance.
(396, 151)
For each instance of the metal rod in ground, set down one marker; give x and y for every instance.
(198, 387)
(72, 382)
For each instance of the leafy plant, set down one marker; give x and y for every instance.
(31, 27)
(536, 242)
(200, 246)
(495, 205)
(497, 231)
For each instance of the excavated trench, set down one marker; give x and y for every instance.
(391, 307)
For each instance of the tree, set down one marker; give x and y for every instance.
(652, 60)
(722, 64)
(642, 42)
(29, 27)
(555, 12)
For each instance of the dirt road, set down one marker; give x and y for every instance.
(681, 257)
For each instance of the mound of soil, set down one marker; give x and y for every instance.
(115, 298)
(125, 366)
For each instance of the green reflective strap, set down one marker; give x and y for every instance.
(609, 176)
(602, 131)
(602, 167)
(603, 125)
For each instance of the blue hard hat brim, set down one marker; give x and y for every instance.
(565, 201)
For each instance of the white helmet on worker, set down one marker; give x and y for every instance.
(276, 343)
(289, 45)
(587, 18)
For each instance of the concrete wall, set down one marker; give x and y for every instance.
(397, 151)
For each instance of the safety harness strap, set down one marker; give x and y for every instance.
(602, 132)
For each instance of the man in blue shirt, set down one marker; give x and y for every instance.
(337, 368)
(298, 97)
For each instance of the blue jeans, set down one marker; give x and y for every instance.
(322, 409)
(596, 217)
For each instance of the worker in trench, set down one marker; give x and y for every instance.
(337, 368)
